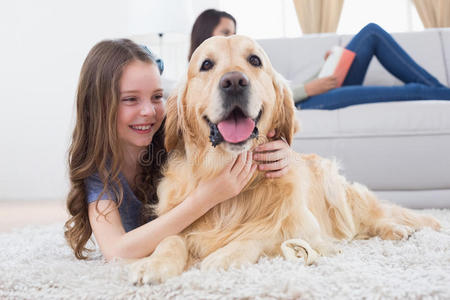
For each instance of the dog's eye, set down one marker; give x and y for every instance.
(254, 60)
(206, 65)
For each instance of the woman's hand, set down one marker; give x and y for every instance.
(273, 157)
(229, 183)
(321, 85)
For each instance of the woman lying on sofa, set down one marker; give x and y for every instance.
(323, 93)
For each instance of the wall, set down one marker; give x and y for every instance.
(43, 45)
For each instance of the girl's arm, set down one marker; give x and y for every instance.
(140, 242)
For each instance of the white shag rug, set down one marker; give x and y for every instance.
(36, 263)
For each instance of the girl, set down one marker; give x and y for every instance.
(117, 151)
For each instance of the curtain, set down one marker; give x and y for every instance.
(434, 13)
(317, 16)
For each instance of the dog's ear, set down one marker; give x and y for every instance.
(284, 122)
(173, 133)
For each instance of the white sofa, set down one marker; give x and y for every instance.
(401, 150)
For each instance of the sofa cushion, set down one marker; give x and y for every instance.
(387, 146)
(377, 119)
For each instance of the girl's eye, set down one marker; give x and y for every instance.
(206, 65)
(254, 61)
(158, 97)
(129, 99)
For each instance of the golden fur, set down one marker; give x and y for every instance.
(312, 201)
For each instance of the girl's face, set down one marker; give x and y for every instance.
(141, 107)
(224, 28)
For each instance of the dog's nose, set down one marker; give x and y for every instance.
(233, 82)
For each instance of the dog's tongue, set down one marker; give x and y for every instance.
(236, 128)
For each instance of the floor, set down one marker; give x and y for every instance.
(16, 214)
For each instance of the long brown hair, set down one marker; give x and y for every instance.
(204, 26)
(95, 145)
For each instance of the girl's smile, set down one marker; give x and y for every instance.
(142, 128)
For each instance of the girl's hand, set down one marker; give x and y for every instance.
(273, 157)
(321, 85)
(230, 182)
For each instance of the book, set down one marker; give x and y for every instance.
(337, 63)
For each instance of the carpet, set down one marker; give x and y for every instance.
(35, 262)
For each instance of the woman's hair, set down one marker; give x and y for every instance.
(95, 144)
(204, 26)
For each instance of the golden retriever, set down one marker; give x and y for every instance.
(229, 101)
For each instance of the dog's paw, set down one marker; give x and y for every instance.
(222, 259)
(215, 261)
(431, 222)
(295, 249)
(395, 232)
(328, 249)
(151, 270)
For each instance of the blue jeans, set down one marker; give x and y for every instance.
(373, 40)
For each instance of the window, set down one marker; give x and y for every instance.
(273, 18)
(393, 16)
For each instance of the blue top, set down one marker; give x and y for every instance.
(129, 210)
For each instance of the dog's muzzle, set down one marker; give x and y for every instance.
(216, 137)
(234, 126)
